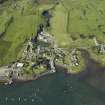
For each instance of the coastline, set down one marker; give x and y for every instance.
(41, 75)
(92, 67)
(58, 67)
(88, 72)
(32, 78)
(43, 36)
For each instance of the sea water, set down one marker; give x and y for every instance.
(56, 89)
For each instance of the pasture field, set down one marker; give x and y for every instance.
(59, 24)
(77, 18)
(76, 22)
(73, 24)
(26, 16)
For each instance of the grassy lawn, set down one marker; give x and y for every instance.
(4, 47)
(86, 17)
(59, 24)
(71, 19)
(22, 27)
(26, 17)
(75, 20)
(5, 20)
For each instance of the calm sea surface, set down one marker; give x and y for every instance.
(56, 89)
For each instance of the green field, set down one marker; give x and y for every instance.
(59, 26)
(73, 23)
(77, 18)
(22, 27)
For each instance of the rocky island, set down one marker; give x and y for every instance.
(36, 36)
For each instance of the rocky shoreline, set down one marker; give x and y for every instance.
(25, 78)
